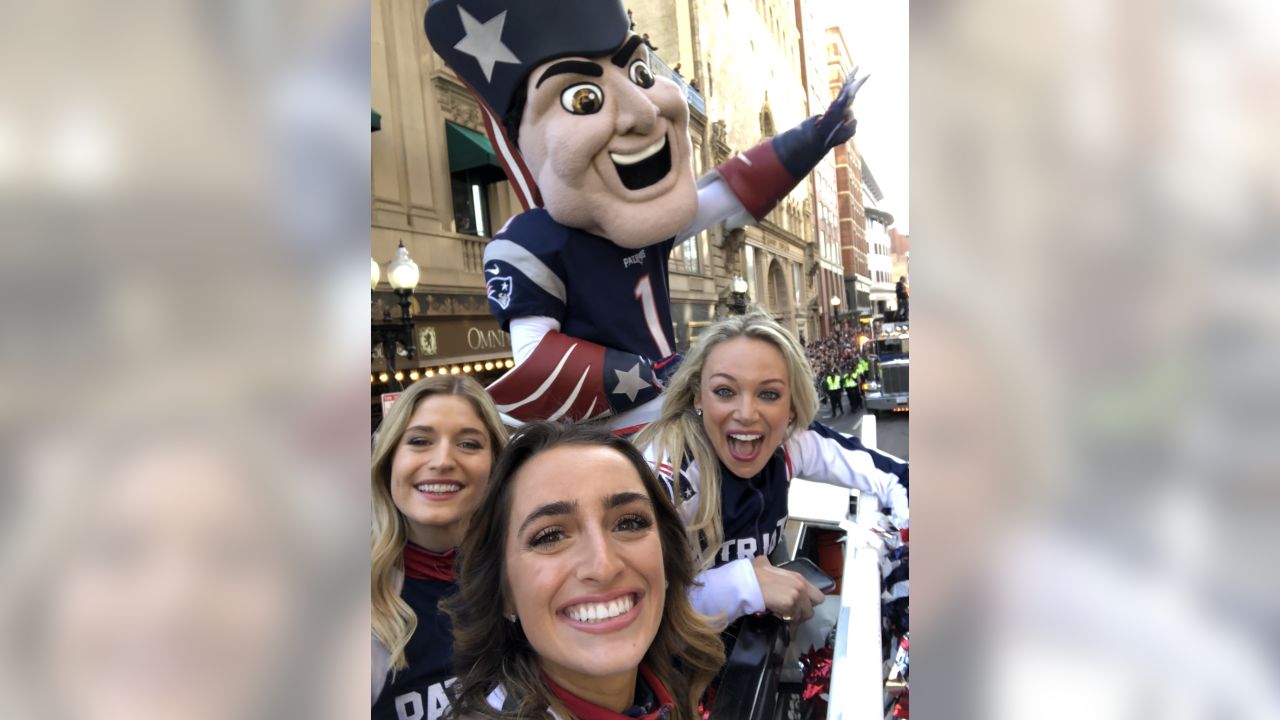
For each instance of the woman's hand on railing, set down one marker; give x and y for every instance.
(786, 594)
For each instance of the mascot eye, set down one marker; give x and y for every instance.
(640, 74)
(582, 99)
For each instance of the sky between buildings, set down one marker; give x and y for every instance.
(878, 35)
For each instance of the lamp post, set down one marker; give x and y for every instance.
(402, 274)
(739, 289)
(835, 311)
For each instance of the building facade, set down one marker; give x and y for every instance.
(879, 260)
(824, 270)
(438, 189)
(900, 255)
(855, 277)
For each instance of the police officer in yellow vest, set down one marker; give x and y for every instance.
(832, 381)
(851, 390)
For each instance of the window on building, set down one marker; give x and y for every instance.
(470, 206)
(473, 167)
(687, 256)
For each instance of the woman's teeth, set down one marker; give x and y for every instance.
(744, 446)
(438, 487)
(599, 612)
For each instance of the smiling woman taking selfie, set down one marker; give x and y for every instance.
(431, 462)
(573, 588)
(737, 422)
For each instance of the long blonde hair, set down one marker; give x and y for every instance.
(678, 433)
(490, 651)
(393, 620)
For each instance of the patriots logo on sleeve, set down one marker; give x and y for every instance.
(666, 475)
(499, 290)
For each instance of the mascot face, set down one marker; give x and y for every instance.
(608, 145)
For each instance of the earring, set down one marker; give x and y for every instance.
(513, 618)
(699, 411)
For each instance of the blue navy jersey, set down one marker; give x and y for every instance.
(753, 511)
(610, 295)
(418, 692)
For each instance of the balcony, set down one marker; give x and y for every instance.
(693, 97)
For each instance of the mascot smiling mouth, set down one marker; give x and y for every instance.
(641, 169)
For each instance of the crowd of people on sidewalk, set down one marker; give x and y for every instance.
(839, 369)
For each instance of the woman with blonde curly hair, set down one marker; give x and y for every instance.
(573, 588)
(430, 466)
(737, 423)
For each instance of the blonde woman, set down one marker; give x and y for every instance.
(431, 462)
(736, 425)
(573, 592)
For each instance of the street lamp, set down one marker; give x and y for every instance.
(375, 273)
(402, 274)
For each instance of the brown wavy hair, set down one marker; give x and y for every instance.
(490, 651)
(392, 618)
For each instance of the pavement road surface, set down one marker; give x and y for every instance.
(892, 429)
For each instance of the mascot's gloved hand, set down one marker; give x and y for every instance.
(760, 177)
(666, 367)
(803, 147)
(838, 124)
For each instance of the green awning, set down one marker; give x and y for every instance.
(471, 151)
(377, 120)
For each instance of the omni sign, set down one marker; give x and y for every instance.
(478, 339)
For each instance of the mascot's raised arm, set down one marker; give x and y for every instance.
(597, 148)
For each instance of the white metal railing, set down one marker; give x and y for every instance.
(857, 671)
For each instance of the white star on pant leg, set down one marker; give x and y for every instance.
(483, 42)
(630, 383)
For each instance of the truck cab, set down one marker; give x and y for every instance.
(887, 390)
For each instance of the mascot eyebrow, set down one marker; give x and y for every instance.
(580, 67)
(570, 67)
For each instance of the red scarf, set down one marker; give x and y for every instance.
(423, 564)
(583, 710)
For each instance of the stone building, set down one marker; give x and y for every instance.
(824, 267)
(437, 188)
(853, 236)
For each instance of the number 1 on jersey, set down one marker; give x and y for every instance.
(644, 293)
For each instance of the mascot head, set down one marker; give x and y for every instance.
(575, 112)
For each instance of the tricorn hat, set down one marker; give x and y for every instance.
(493, 45)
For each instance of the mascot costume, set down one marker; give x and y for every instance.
(597, 148)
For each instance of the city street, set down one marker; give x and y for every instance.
(893, 431)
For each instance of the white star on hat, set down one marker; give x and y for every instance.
(629, 382)
(483, 42)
